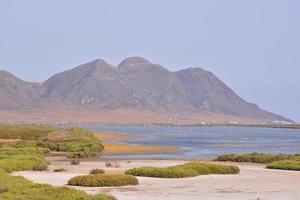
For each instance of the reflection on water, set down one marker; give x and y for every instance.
(207, 142)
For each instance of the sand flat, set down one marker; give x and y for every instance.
(254, 182)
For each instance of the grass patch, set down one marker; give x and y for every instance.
(257, 157)
(285, 165)
(185, 170)
(103, 180)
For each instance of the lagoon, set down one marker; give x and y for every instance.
(205, 142)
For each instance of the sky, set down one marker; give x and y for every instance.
(252, 45)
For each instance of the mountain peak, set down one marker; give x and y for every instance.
(135, 61)
(137, 64)
(91, 67)
(100, 62)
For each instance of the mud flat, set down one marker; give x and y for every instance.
(254, 182)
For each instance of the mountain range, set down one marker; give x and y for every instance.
(135, 91)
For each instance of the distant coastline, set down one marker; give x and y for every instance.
(287, 126)
(77, 124)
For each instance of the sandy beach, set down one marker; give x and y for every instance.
(254, 182)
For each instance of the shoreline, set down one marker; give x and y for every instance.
(83, 124)
(283, 126)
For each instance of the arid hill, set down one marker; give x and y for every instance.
(135, 91)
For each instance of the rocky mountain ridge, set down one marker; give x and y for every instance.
(135, 84)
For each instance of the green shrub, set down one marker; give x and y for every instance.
(25, 132)
(285, 165)
(40, 167)
(79, 143)
(257, 157)
(27, 151)
(21, 162)
(21, 189)
(23, 151)
(209, 168)
(223, 169)
(170, 172)
(185, 170)
(97, 171)
(60, 170)
(200, 168)
(103, 180)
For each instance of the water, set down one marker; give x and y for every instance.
(208, 142)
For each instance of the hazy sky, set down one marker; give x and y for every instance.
(252, 45)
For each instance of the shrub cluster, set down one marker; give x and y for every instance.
(209, 168)
(17, 187)
(257, 157)
(112, 164)
(169, 172)
(75, 162)
(103, 180)
(186, 170)
(10, 151)
(60, 170)
(22, 158)
(24, 152)
(40, 167)
(285, 165)
(97, 171)
(22, 162)
(25, 132)
(77, 142)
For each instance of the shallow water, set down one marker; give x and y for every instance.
(207, 142)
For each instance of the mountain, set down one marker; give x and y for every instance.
(136, 89)
(16, 93)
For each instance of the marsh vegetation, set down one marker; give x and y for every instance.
(23, 147)
(186, 170)
(257, 157)
(273, 161)
(103, 180)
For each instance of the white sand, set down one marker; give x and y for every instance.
(254, 182)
